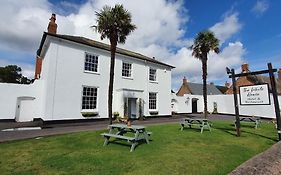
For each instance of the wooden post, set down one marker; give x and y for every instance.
(275, 99)
(237, 122)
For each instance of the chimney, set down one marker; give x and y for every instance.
(279, 74)
(245, 68)
(184, 81)
(38, 67)
(52, 27)
(226, 84)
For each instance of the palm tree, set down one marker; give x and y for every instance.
(115, 25)
(203, 43)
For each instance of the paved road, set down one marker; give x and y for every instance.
(57, 129)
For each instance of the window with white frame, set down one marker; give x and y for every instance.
(91, 62)
(127, 69)
(152, 74)
(89, 98)
(152, 100)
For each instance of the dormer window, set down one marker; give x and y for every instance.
(126, 70)
(91, 63)
(152, 74)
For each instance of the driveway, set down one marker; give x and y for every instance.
(57, 129)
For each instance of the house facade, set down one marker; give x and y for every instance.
(73, 73)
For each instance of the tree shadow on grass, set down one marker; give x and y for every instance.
(232, 131)
(228, 130)
(260, 135)
(125, 143)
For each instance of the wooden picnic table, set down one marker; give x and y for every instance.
(189, 122)
(255, 120)
(119, 131)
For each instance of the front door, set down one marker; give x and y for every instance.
(194, 105)
(132, 108)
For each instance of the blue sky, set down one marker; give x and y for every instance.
(249, 30)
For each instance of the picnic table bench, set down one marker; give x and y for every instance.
(189, 122)
(255, 120)
(117, 131)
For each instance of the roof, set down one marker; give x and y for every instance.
(259, 79)
(223, 89)
(100, 45)
(197, 89)
(256, 79)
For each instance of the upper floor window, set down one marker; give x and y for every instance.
(152, 74)
(152, 100)
(91, 62)
(127, 69)
(89, 97)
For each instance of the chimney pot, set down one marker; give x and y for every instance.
(52, 27)
(245, 68)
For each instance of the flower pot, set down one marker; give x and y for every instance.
(129, 123)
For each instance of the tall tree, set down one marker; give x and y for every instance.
(115, 24)
(12, 74)
(203, 43)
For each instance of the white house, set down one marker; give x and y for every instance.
(72, 77)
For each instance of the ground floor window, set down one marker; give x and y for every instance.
(89, 97)
(152, 100)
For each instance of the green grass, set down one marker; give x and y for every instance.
(171, 151)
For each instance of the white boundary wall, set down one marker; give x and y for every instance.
(225, 105)
(10, 94)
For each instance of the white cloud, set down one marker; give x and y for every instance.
(260, 7)
(186, 65)
(225, 29)
(161, 26)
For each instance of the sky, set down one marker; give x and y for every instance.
(249, 32)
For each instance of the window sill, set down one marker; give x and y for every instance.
(90, 72)
(128, 78)
(156, 82)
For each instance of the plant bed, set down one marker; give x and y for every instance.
(89, 114)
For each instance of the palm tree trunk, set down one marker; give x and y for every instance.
(204, 77)
(113, 45)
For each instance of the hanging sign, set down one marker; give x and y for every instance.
(254, 95)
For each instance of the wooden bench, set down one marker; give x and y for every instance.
(202, 123)
(255, 120)
(139, 133)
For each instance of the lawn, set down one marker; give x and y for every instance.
(171, 151)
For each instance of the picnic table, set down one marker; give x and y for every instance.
(255, 120)
(119, 132)
(189, 122)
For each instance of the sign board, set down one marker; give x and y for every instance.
(254, 95)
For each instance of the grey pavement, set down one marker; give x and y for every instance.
(63, 128)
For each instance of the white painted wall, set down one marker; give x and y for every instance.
(225, 105)
(63, 71)
(9, 94)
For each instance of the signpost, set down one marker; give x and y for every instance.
(255, 95)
